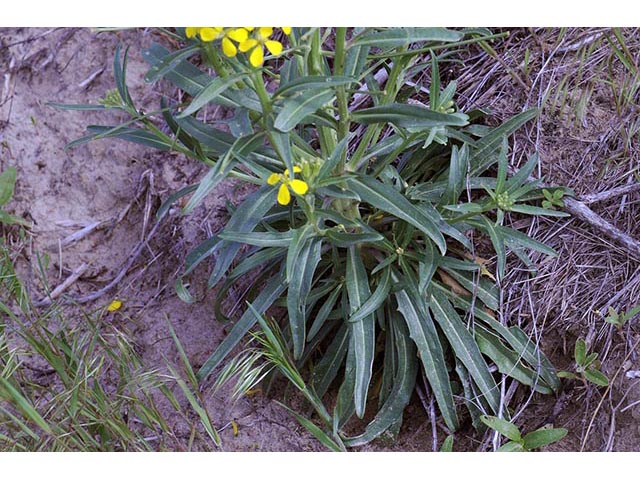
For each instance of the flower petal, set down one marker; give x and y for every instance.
(286, 30)
(274, 47)
(248, 44)
(208, 34)
(256, 57)
(299, 186)
(273, 179)
(114, 305)
(296, 169)
(265, 32)
(238, 34)
(284, 197)
(228, 48)
(191, 31)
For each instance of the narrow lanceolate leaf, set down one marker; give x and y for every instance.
(312, 82)
(135, 135)
(295, 109)
(375, 300)
(346, 239)
(363, 331)
(465, 348)
(298, 240)
(316, 431)
(324, 312)
(396, 37)
(484, 155)
(259, 239)
(168, 63)
(497, 239)
(171, 199)
(326, 370)
(408, 116)
(211, 92)
(386, 198)
(424, 334)
(299, 287)
(243, 220)
(403, 384)
(543, 437)
(272, 290)
(334, 159)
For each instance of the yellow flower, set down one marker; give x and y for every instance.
(286, 30)
(114, 305)
(228, 35)
(255, 45)
(299, 187)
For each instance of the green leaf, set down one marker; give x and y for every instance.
(386, 198)
(296, 108)
(530, 210)
(408, 116)
(324, 312)
(183, 293)
(396, 37)
(23, 405)
(465, 348)
(326, 370)
(508, 361)
(375, 300)
(542, 437)
(334, 159)
(503, 427)
(168, 63)
(484, 153)
(597, 377)
(298, 240)
(171, 199)
(363, 331)
(403, 385)
(299, 286)
(312, 82)
(212, 91)
(259, 239)
(580, 352)
(447, 445)
(135, 135)
(316, 431)
(497, 239)
(251, 262)
(120, 75)
(244, 219)
(425, 336)
(271, 291)
(511, 447)
(522, 175)
(7, 184)
(346, 239)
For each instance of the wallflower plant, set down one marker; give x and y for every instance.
(361, 224)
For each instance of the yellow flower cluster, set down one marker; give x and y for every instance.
(299, 187)
(251, 40)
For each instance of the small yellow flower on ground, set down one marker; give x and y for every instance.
(299, 187)
(114, 305)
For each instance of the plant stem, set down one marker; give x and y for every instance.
(212, 56)
(338, 69)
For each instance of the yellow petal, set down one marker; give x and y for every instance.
(296, 169)
(265, 32)
(192, 31)
(208, 34)
(299, 186)
(286, 30)
(274, 47)
(284, 197)
(115, 305)
(248, 44)
(256, 57)
(238, 34)
(249, 29)
(273, 179)
(228, 48)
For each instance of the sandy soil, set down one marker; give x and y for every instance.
(62, 191)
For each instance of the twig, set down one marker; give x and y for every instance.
(71, 279)
(608, 194)
(89, 80)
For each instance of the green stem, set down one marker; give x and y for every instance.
(212, 56)
(338, 69)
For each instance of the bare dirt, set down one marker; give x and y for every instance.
(61, 191)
